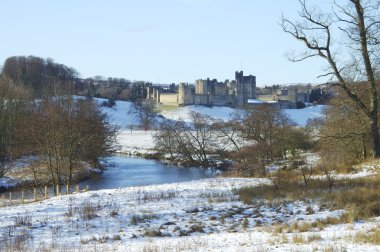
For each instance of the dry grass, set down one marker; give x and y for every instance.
(299, 239)
(359, 197)
(88, 210)
(372, 236)
(142, 218)
(300, 227)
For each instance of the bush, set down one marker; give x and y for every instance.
(109, 103)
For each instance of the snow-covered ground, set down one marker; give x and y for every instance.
(119, 114)
(301, 116)
(203, 215)
(135, 141)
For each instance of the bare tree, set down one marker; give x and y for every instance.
(345, 131)
(66, 132)
(145, 111)
(13, 107)
(189, 144)
(359, 21)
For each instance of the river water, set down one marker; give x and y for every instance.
(127, 171)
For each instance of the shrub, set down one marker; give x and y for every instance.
(88, 211)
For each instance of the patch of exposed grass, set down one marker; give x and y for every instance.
(165, 107)
(299, 239)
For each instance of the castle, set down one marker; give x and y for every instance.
(208, 92)
(236, 93)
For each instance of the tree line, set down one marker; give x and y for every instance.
(253, 138)
(63, 133)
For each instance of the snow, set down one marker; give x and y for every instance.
(184, 216)
(255, 101)
(301, 116)
(135, 141)
(184, 113)
(7, 182)
(119, 114)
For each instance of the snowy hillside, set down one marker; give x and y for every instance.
(300, 116)
(119, 114)
(218, 113)
(121, 117)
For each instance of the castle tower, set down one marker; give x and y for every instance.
(149, 93)
(181, 94)
(245, 88)
(185, 94)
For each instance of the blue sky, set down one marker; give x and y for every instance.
(161, 41)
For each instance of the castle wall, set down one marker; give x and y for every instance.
(169, 99)
(265, 97)
(222, 100)
(301, 97)
(201, 99)
(221, 88)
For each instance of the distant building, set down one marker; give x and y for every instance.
(285, 97)
(209, 92)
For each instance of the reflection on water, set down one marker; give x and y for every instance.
(128, 171)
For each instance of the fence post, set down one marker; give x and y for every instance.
(3, 199)
(22, 197)
(77, 188)
(87, 187)
(67, 190)
(35, 194)
(46, 192)
(10, 197)
(57, 190)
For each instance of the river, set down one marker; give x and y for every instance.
(127, 171)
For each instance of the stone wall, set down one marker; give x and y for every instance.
(169, 99)
(201, 99)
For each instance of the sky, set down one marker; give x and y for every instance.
(162, 41)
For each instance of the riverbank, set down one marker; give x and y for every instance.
(21, 175)
(188, 216)
(135, 142)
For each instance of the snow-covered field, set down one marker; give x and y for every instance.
(203, 215)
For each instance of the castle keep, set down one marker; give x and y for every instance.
(208, 92)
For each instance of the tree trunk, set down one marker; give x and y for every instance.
(375, 137)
